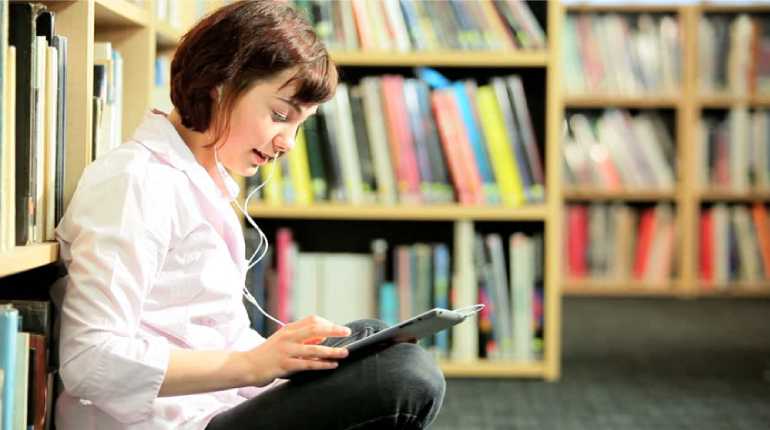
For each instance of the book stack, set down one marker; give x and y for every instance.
(622, 54)
(396, 281)
(618, 242)
(32, 145)
(393, 140)
(735, 150)
(414, 25)
(734, 245)
(617, 150)
(25, 362)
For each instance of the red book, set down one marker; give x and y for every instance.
(577, 241)
(762, 227)
(447, 130)
(467, 158)
(644, 244)
(283, 262)
(707, 246)
(402, 149)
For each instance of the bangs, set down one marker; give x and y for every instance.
(316, 81)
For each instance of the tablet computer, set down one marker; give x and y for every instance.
(417, 327)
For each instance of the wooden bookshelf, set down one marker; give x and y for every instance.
(721, 101)
(401, 212)
(736, 289)
(652, 101)
(166, 35)
(447, 59)
(735, 196)
(23, 258)
(593, 194)
(619, 288)
(119, 13)
(585, 7)
(492, 369)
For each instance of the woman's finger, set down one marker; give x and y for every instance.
(319, 351)
(298, 364)
(316, 331)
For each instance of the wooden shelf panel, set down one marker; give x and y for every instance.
(722, 101)
(621, 195)
(736, 289)
(492, 369)
(735, 8)
(167, 36)
(652, 101)
(119, 13)
(23, 258)
(453, 59)
(619, 288)
(401, 212)
(621, 8)
(735, 196)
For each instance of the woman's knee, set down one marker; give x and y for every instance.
(410, 380)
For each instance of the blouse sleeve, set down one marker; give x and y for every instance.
(114, 238)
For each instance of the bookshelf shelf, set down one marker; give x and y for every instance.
(735, 196)
(450, 59)
(588, 194)
(400, 212)
(619, 288)
(721, 101)
(746, 7)
(620, 8)
(652, 101)
(119, 13)
(166, 36)
(23, 258)
(492, 369)
(736, 289)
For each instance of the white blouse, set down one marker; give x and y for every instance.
(155, 256)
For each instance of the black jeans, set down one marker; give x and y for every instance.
(390, 387)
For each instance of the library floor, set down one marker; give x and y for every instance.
(636, 364)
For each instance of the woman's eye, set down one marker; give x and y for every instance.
(279, 117)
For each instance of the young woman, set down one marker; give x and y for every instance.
(154, 334)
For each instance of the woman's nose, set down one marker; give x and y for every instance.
(282, 144)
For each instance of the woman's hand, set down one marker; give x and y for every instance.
(295, 347)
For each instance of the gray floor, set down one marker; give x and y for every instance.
(636, 364)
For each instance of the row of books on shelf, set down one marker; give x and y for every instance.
(392, 140)
(33, 73)
(734, 244)
(107, 108)
(626, 54)
(733, 52)
(26, 357)
(617, 241)
(343, 287)
(735, 150)
(414, 25)
(618, 150)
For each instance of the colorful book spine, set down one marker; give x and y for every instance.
(9, 327)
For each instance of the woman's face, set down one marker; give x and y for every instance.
(263, 124)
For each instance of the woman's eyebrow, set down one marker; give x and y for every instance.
(293, 104)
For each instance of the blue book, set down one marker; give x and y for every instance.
(388, 303)
(441, 276)
(478, 144)
(9, 327)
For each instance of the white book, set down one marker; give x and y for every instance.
(8, 172)
(347, 288)
(348, 151)
(613, 141)
(465, 336)
(646, 140)
(721, 242)
(377, 133)
(738, 58)
(40, 138)
(396, 20)
(22, 382)
(51, 88)
(522, 269)
(500, 295)
(739, 149)
(749, 258)
(759, 127)
(307, 285)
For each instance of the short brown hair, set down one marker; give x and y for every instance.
(239, 45)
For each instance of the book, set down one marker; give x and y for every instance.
(9, 327)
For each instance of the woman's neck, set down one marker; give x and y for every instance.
(200, 146)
